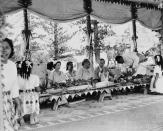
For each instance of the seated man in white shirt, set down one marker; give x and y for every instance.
(101, 72)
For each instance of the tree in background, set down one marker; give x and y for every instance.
(100, 31)
(53, 36)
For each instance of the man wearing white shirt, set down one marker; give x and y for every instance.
(130, 60)
(101, 72)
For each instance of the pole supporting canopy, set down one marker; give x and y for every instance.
(88, 6)
(26, 32)
(134, 18)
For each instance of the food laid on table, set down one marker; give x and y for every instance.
(72, 86)
(139, 79)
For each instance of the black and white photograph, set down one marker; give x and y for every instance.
(81, 65)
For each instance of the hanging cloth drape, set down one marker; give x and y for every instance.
(68, 10)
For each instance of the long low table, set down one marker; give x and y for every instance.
(60, 96)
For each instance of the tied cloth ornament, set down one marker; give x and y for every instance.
(28, 64)
(27, 55)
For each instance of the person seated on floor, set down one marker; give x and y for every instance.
(156, 85)
(71, 73)
(57, 77)
(86, 72)
(101, 72)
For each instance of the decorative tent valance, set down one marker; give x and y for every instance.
(110, 11)
(148, 4)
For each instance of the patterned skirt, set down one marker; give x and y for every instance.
(30, 102)
(9, 113)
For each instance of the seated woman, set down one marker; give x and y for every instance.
(157, 80)
(57, 76)
(28, 84)
(10, 88)
(71, 74)
(49, 70)
(86, 71)
(50, 67)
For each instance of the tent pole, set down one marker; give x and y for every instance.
(90, 52)
(56, 50)
(26, 32)
(134, 16)
(96, 42)
(26, 27)
(88, 8)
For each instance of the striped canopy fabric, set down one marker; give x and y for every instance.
(110, 11)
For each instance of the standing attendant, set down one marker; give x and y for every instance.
(157, 80)
(10, 87)
(29, 85)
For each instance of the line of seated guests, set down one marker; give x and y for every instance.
(127, 63)
(85, 72)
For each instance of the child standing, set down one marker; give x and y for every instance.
(28, 84)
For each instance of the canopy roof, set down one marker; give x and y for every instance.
(110, 11)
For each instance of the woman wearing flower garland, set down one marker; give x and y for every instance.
(10, 87)
(28, 84)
